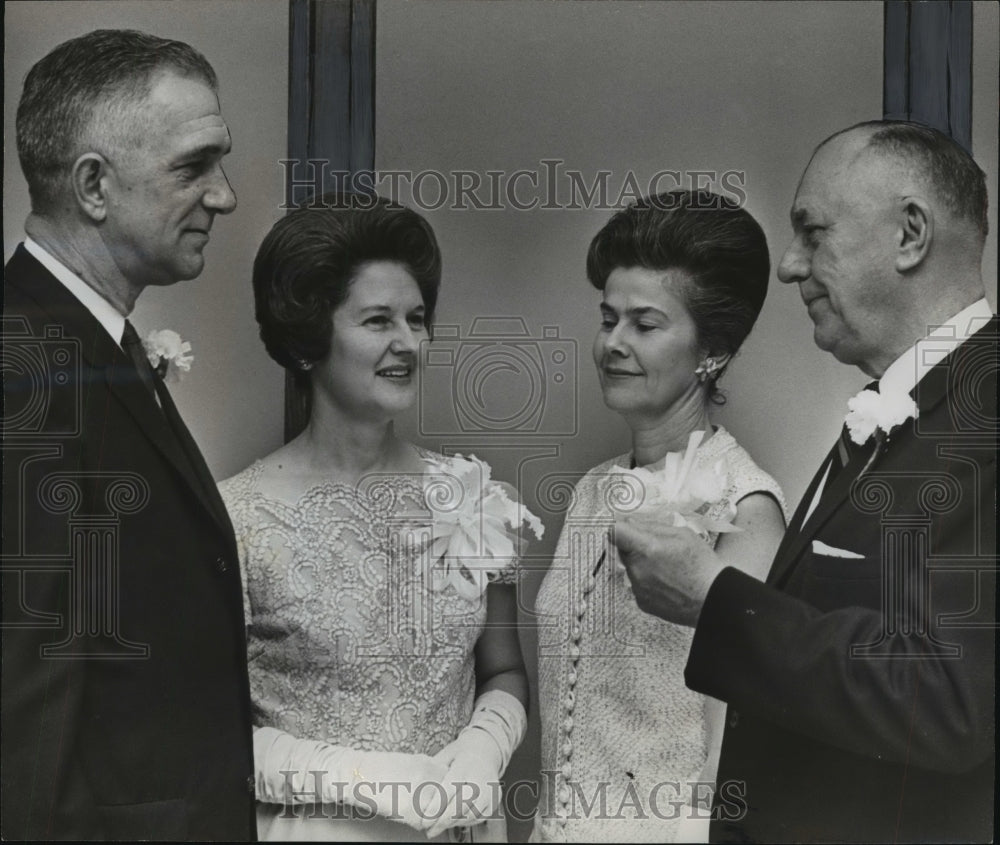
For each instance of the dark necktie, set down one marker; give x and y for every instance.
(161, 396)
(841, 456)
(135, 351)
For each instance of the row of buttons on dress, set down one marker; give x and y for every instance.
(569, 703)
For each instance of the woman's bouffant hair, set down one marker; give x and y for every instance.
(717, 244)
(307, 262)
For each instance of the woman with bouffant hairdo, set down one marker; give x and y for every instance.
(387, 681)
(682, 277)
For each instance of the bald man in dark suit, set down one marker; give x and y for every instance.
(860, 676)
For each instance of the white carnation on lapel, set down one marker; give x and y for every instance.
(683, 492)
(475, 524)
(871, 410)
(168, 354)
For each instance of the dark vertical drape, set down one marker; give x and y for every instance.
(927, 73)
(331, 116)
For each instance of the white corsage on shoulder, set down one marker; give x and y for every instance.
(872, 411)
(683, 492)
(168, 354)
(475, 524)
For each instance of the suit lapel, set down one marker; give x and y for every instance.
(961, 371)
(206, 484)
(126, 386)
(103, 354)
(836, 492)
(783, 557)
(930, 391)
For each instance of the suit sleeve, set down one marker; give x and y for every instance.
(785, 660)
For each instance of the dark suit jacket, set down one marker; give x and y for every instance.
(861, 691)
(125, 700)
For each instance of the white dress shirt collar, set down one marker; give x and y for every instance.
(103, 311)
(908, 369)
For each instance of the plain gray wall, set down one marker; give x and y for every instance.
(232, 398)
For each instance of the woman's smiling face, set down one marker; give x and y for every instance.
(371, 370)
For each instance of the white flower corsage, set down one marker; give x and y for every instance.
(474, 527)
(683, 493)
(168, 354)
(870, 411)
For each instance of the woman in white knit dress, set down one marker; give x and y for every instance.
(628, 752)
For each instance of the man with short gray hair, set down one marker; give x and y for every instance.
(125, 700)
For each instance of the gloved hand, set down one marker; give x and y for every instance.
(476, 760)
(303, 771)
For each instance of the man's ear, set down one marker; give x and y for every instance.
(916, 230)
(88, 176)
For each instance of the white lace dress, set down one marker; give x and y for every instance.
(346, 642)
(622, 736)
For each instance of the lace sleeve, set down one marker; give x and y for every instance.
(242, 552)
(235, 500)
(512, 571)
(510, 574)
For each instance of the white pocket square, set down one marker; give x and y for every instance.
(821, 548)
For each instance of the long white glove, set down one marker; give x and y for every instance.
(476, 760)
(384, 783)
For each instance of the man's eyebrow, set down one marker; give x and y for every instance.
(206, 149)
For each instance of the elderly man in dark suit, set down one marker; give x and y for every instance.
(860, 676)
(125, 704)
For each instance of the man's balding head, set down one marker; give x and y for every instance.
(931, 161)
(889, 221)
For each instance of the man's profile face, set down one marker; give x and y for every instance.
(165, 183)
(840, 256)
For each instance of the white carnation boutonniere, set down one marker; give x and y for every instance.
(684, 492)
(168, 354)
(475, 524)
(872, 412)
